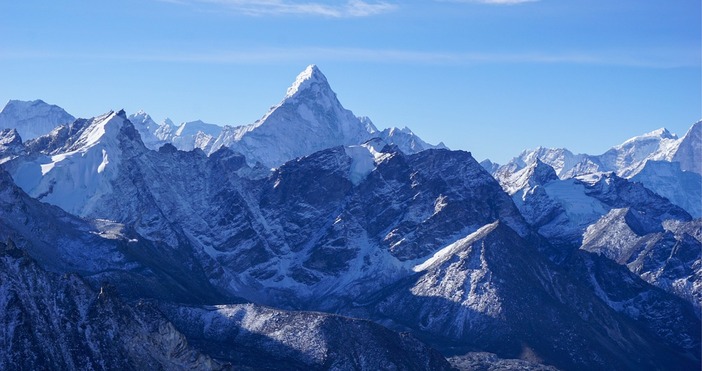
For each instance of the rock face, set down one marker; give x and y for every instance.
(10, 144)
(32, 119)
(617, 218)
(59, 321)
(495, 292)
(666, 255)
(563, 209)
(54, 321)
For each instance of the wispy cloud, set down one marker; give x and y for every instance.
(667, 58)
(493, 2)
(350, 8)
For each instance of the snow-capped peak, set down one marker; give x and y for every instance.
(147, 129)
(310, 76)
(32, 118)
(75, 176)
(658, 133)
(95, 133)
(535, 174)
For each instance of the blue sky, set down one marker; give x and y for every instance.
(492, 77)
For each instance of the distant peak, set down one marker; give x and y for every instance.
(404, 130)
(310, 76)
(17, 101)
(660, 133)
(23, 104)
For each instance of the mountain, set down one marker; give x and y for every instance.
(10, 144)
(629, 157)
(625, 159)
(244, 229)
(407, 141)
(667, 255)
(615, 217)
(32, 119)
(638, 158)
(104, 251)
(248, 335)
(493, 291)
(73, 166)
(55, 320)
(194, 134)
(372, 221)
(310, 118)
(329, 258)
(562, 209)
(689, 150)
(149, 130)
(682, 187)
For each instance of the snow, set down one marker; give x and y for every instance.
(310, 75)
(308, 119)
(362, 163)
(33, 118)
(104, 163)
(439, 204)
(682, 188)
(579, 207)
(626, 159)
(75, 179)
(407, 141)
(449, 250)
(611, 235)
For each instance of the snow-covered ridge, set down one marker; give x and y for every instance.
(625, 159)
(448, 251)
(74, 178)
(640, 158)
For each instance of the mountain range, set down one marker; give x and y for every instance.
(312, 240)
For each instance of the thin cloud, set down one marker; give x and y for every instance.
(663, 58)
(492, 2)
(350, 8)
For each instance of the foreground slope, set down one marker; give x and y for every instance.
(57, 321)
(493, 291)
(267, 338)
